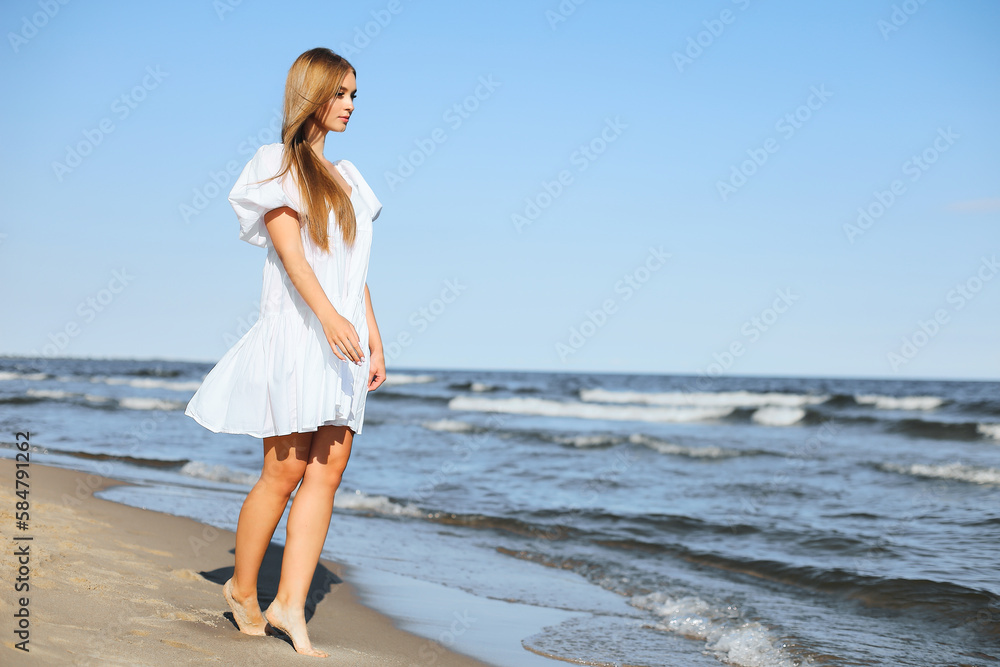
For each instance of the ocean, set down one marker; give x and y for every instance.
(688, 521)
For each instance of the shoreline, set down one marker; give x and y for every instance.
(109, 583)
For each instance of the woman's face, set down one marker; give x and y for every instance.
(333, 115)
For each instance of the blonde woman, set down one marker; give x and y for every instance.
(300, 376)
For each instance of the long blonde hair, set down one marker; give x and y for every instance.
(313, 80)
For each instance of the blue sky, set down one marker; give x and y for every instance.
(634, 187)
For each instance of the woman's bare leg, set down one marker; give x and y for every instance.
(285, 459)
(308, 523)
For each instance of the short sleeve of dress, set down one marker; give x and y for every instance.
(363, 189)
(256, 192)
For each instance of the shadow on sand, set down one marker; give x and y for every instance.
(322, 584)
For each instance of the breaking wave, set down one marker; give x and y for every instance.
(722, 399)
(899, 402)
(955, 471)
(552, 408)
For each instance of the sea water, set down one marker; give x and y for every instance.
(650, 519)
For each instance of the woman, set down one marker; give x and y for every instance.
(299, 377)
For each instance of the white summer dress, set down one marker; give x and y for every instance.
(282, 376)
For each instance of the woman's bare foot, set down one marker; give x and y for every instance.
(248, 617)
(293, 625)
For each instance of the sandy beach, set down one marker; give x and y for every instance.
(111, 584)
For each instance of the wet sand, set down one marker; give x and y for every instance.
(111, 584)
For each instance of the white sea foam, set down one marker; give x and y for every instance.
(59, 394)
(217, 473)
(402, 378)
(899, 402)
(751, 645)
(728, 399)
(956, 471)
(359, 501)
(30, 377)
(128, 402)
(150, 383)
(586, 441)
(664, 447)
(144, 403)
(344, 499)
(450, 425)
(551, 408)
(56, 394)
(989, 430)
(481, 386)
(733, 640)
(778, 416)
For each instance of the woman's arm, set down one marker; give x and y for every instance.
(376, 363)
(374, 338)
(283, 228)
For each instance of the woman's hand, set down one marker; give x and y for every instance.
(376, 369)
(341, 333)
